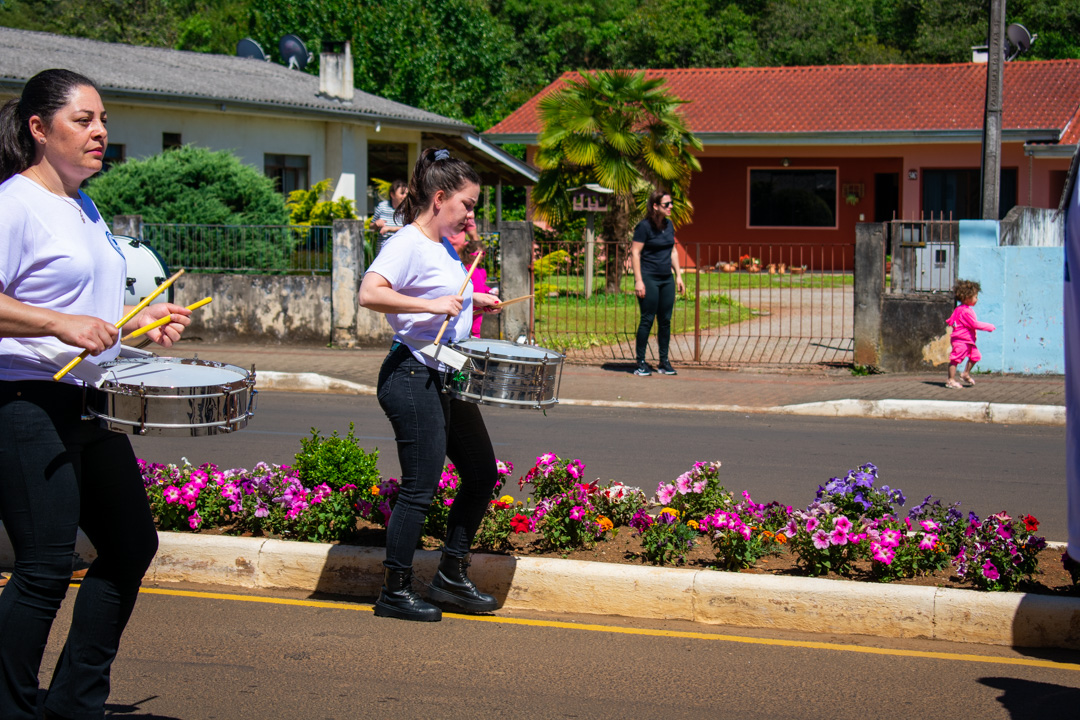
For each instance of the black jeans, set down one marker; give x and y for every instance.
(657, 305)
(430, 426)
(59, 473)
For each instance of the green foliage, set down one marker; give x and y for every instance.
(666, 541)
(336, 461)
(315, 206)
(189, 185)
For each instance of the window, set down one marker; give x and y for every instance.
(290, 171)
(114, 155)
(793, 198)
(957, 193)
(170, 141)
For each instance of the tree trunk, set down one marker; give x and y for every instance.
(616, 233)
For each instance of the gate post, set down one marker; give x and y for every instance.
(869, 289)
(348, 270)
(516, 249)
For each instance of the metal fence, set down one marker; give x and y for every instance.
(284, 249)
(924, 255)
(760, 304)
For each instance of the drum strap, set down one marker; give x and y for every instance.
(442, 353)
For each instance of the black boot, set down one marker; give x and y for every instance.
(399, 600)
(452, 586)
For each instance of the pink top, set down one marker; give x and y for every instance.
(964, 324)
(479, 281)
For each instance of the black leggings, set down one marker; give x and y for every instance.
(657, 304)
(60, 473)
(430, 426)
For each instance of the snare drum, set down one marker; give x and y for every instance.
(146, 270)
(173, 396)
(505, 374)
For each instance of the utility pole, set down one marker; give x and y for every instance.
(991, 143)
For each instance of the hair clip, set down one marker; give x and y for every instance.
(442, 154)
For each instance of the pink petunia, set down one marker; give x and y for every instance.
(699, 486)
(821, 540)
(929, 525)
(812, 524)
(665, 493)
(842, 523)
(577, 512)
(683, 483)
(838, 537)
(881, 553)
(194, 521)
(171, 494)
(928, 541)
(891, 537)
(989, 571)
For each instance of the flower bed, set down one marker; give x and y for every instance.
(855, 528)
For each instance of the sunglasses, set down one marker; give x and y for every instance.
(666, 205)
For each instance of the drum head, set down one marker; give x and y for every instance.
(145, 271)
(504, 349)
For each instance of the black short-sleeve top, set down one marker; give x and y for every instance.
(658, 244)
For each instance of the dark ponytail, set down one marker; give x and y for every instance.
(435, 170)
(655, 216)
(43, 95)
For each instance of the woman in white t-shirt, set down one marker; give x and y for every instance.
(415, 280)
(62, 279)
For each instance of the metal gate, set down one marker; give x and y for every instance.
(755, 304)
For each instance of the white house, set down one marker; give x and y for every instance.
(296, 127)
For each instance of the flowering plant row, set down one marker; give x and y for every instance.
(852, 519)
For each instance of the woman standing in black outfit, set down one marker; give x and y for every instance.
(653, 258)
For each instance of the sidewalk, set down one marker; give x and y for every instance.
(827, 391)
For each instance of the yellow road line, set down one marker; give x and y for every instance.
(805, 644)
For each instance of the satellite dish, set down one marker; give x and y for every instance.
(248, 48)
(293, 52)
(1019, 38)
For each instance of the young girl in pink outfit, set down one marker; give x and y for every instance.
(964, 324)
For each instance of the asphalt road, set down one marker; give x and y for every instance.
(987, 467)
(197, 658)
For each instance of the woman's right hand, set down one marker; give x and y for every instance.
(639, 288)
(447, 305)
(86, 332)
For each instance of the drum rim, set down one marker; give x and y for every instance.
(462, 347)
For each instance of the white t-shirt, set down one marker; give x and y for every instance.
(421, 268)
(50, 258)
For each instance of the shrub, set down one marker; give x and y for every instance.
(552, 476)
(619, 502)
(855, 495)
(570, 520)
(315, 206)
(664, 539)
(696, 492)
(745, 533)
(189, 185)
(999, 552)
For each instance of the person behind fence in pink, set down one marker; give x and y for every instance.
(466, 244)
(964, 324)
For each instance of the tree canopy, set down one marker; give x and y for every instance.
(477, 60)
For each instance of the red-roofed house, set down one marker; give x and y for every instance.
(801, 154)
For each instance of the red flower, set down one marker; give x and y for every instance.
(500, 504)
(1031, 524)
(519, 523)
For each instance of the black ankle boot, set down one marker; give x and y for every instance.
(452, 586)
(399, 600)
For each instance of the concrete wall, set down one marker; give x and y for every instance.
(262, 308)
(1022, 291)
(911, 331)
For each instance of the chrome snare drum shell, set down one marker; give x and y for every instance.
(179, 397)
(505, 374)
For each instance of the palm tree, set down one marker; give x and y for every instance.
(617, 129)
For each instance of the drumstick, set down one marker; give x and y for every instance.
(464, 285)
(503, 304)
(165, 320)
(123, 321)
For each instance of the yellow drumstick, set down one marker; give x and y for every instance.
(123, 321)
(165, 320)
(504, 303)
(463, 286)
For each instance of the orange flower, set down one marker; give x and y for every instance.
(780, 538)
(605, 524)
(374, 489)
(768, 535)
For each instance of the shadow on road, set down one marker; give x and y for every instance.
(1029, 700)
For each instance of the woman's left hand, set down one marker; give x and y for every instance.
(487, 302)
(680, 286)
(167, 334)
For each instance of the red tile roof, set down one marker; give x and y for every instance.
(855, 98)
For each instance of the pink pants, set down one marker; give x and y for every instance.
(961, 350)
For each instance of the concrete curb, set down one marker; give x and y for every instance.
(553, 585)
(985, 412)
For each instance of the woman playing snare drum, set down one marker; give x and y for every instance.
(62, 280)
(415, 280)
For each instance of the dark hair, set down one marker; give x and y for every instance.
(398, 185)
(43, 95)
(655, 216)
(966, 289)
(435, 170)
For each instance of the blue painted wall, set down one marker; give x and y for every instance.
(1022, 290)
